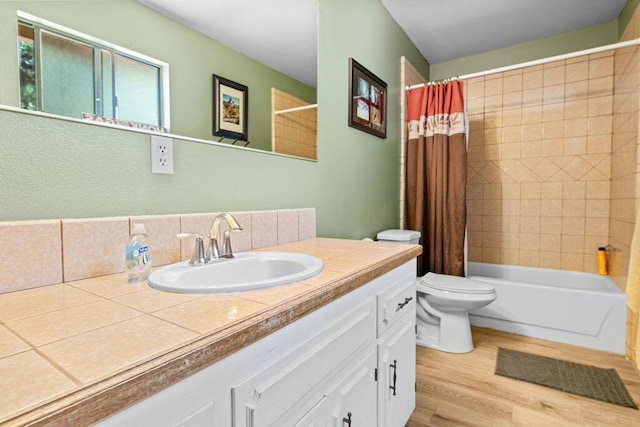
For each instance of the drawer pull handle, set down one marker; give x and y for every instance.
(402, 304)
(395, 376)
(347, 419)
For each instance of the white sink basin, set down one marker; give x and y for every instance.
(247, 271)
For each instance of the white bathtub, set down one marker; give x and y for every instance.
(575, 308)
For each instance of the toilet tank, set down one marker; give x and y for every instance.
(399, 236)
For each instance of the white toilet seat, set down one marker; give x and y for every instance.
(458, 284)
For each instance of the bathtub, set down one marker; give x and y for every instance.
(582, 309)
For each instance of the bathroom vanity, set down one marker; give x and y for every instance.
(338, 349)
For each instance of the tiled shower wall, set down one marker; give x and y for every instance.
(625, 170)
(539, 164)
(294, 133)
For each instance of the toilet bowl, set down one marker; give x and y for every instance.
(443, 309)
(443, 303)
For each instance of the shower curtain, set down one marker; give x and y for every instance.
(437, 175)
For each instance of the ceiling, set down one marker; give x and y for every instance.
(279, 33)
(283, 33)
(448, 29)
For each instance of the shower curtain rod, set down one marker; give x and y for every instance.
(598, 49)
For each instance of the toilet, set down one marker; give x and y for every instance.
(443, 303)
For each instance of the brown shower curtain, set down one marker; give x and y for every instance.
(437, 175)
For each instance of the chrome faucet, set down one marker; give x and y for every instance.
(214, 236)
(198, 257)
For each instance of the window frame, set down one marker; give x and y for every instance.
(99, 46)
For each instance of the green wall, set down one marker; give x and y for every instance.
(585, 38)
(192, 58)
(54, 169)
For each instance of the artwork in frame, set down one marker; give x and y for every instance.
(367, 100)
(230, 109)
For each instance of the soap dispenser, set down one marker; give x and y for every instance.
(137, 255)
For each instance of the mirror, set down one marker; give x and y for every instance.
(158, 29)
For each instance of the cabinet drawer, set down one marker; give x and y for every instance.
(394, 302)
(285, 387)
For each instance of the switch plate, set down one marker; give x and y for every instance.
(161, 155)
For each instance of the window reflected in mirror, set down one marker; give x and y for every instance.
(70, 74)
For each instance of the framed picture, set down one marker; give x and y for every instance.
(230, 109)
(367, 100)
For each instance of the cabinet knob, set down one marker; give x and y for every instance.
(402, 304)
(395, 376)
(347, 419)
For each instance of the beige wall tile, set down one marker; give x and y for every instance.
(264, 229)
(576, 90)
(530, 241)
(553, 76)
(307, 223)
(601, 67)
(548, 164)
(551, 224)
(577, 71)
(572, 244)
(510, 257)
(20, 242)
(573, 226)
(288, 225)
(576, 109)
(164, 246)
(510, 224)
(530, 224)
(550, 260)
(532, 79)
(572, 261)
(551, 242)
(240, 240)
(93, 247)
(597, 208)
(491, 255)
(530, 258)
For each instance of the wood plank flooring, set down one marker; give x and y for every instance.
(462, 389)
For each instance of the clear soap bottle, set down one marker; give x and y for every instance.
(137, 255)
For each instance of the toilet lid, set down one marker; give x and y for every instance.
(445, 282)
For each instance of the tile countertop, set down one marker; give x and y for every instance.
(71, 354)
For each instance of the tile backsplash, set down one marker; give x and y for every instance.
(41, 253)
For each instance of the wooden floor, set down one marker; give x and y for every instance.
(462, 390)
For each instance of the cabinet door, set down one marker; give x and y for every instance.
(316, 417)
(293, 383)
(397, 374)
(354, 400)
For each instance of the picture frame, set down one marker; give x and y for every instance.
(230, 109)
(367, 100)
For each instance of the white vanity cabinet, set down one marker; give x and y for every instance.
(397, 352)
(333, 367)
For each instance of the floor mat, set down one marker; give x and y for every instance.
(582, 380)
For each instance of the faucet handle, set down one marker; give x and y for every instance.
(213, 252)
(227, 252)
(198, 256)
